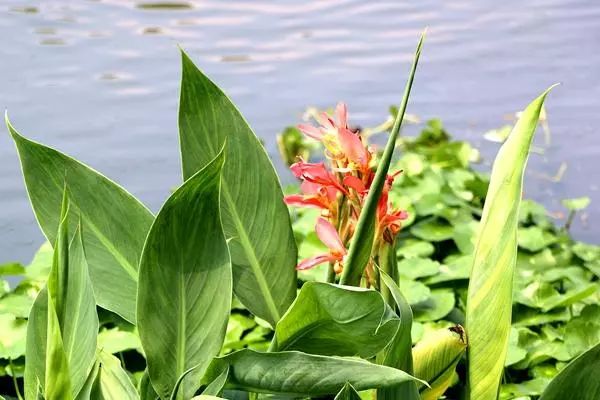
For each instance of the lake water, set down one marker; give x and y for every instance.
(99, 80)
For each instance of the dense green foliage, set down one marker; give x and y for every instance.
(556, 308)
(168, 325)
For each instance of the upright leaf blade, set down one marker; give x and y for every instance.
(115, 222)
(329, 319)
(362, 240)
(398, 354)
(578, 380)
(295, 373)
(63, 324)
(489, 301)
(255, 219)
(184, 293)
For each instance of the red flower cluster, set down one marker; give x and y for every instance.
(339, 190)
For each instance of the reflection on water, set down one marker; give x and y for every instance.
(99, 80)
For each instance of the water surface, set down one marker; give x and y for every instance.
(99, 80)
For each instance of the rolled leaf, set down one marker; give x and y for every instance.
(362, 240)
(489, 302)
(329, 319)
(578, 380)
(115, 222)
(301, 374)
(63, 324)
(398, 354)
(184, 293)
(435, 359)
(255, 219)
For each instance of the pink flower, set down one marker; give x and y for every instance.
(354, 149)
(330, 238)
(315, 196)
(316, 173)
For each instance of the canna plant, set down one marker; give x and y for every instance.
(225, 235)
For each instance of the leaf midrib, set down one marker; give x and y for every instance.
(251, 255)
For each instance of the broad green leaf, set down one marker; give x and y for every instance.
(255, 219)
(12, 336)
(112, 381)
(295, 373)
(62, 327)
(417, 267)
(535, 238)
(347, 393)
(398, 354)
(328, 319)
(523, 390)
(433, 230)
(115, 340)
(184, 291)
(490, 289)
(436, 307)
(115, 223)
(362, 240)
(544, 296)
(17, 304)
(583, 331)
(579, 380)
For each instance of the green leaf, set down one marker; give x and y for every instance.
(11, 268)
(579, 380)
(12, 336)
(112, 381)
(362, 240)
(295, 373)
(416, 267)
(61, 333)
(490, 289)
(398, 354)
(255, 219)
(535, 238)
(347, 393)
(145, 389)
(583, 331)
(216, 386)
(115, 340)
(523, 390)
(115, 222)
(577, 204)
(544, 296)
(436, 307)
(328, 319)
(433, 230)
(184, 291)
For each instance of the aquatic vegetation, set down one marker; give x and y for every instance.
(360, 288)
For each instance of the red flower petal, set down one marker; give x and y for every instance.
(329, 236)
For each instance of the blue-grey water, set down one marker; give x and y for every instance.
(99, 80)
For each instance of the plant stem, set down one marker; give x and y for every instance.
(14, 379)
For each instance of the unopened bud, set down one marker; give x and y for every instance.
(435, 359)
